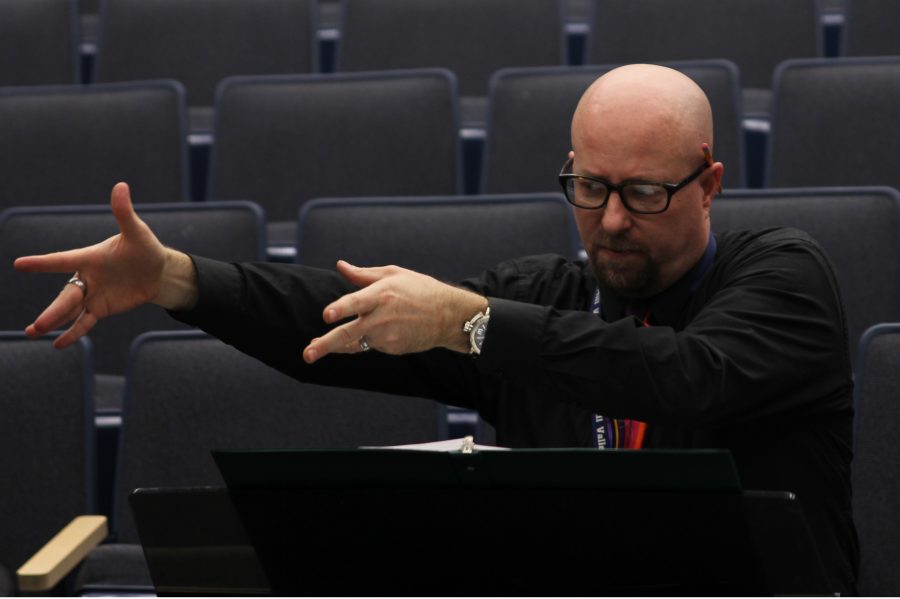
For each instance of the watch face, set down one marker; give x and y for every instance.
(478, 334)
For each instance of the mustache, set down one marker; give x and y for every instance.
(616, 244)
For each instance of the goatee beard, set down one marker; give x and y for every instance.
(627, 280)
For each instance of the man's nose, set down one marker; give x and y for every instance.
(616, 217)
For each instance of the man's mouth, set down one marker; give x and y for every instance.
(617, 252)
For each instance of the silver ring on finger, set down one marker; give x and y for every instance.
(80, 284)
(363, 344)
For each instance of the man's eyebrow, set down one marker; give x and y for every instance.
(582, 173)
(634, 179)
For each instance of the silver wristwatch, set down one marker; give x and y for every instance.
(476, 328)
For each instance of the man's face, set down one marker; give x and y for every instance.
(640, 255)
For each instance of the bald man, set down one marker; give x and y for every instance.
(666, 337)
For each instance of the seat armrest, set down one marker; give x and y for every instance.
(62, 553)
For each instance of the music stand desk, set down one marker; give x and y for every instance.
(523, 522)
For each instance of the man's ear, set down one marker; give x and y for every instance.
(712, 183)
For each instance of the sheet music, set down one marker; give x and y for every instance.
(463, 444)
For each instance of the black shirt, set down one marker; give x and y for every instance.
(754, 360)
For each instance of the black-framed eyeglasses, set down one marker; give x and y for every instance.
(640, 197)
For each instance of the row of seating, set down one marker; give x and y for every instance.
(282, 140)
(203, 41)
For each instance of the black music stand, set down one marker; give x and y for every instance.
(523, 522)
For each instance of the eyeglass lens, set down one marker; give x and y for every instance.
(639, 197)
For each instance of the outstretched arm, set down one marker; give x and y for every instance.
(125, 271)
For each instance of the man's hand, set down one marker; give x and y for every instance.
(120, 273)
(398, 311)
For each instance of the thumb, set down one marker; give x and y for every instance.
(123, 210)
(361, 277)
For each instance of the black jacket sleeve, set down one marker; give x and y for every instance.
(272, 311)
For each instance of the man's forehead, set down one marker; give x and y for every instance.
(627, 132)
(646, 133)
(618, 153)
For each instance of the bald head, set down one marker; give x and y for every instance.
(643, 103)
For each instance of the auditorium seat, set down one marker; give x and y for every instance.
(227, 230)
(530, 113)
(859, 229)
(188, 393)
(281, 141)
(870, 28)
(71, 144)
(835, 122)
(754, 34)
(876, 484)
(472, 38)
(201, 42)
(47, 441)
(448, 237)
(39, 42)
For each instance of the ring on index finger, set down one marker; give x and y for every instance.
(80, 284)
(364, 345)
